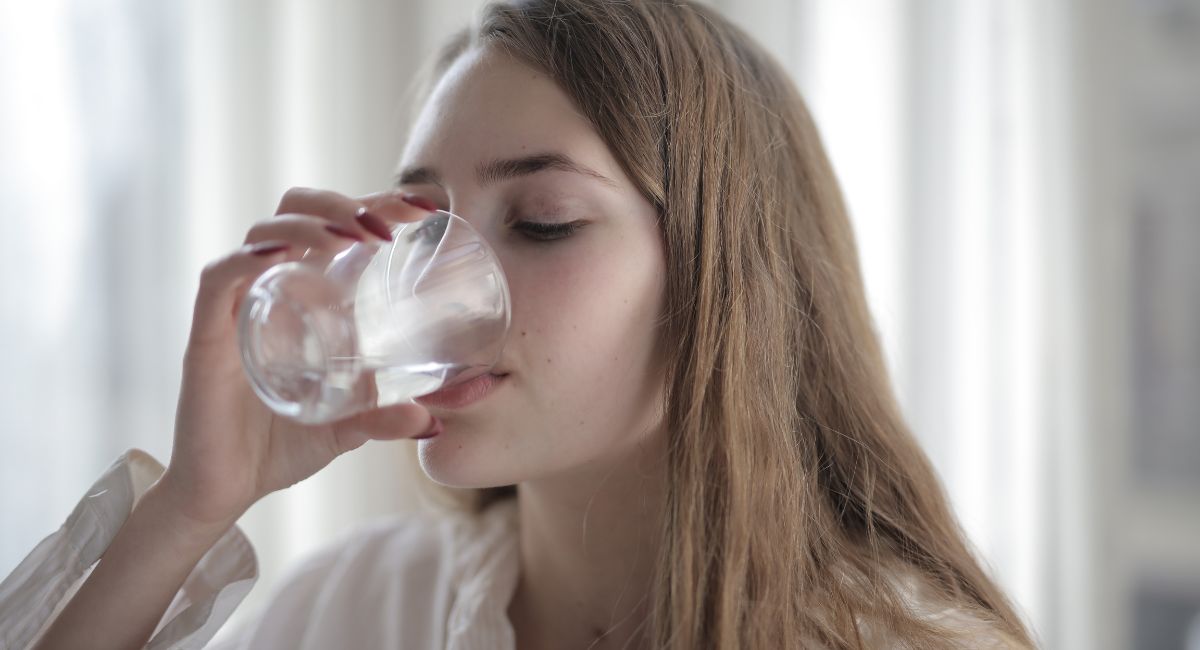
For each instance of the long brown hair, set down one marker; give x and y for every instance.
(797, 494)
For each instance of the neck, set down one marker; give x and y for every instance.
(588, 545)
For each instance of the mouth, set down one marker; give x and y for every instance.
(464, 394)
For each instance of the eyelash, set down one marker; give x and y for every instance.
(547, 232)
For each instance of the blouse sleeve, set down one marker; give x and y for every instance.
(44, 582)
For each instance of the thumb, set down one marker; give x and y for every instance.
(395, 422)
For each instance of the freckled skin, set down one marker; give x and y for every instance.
(586, 304)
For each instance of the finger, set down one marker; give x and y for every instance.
(349, 213)
(306, 231)
(221, 283)
(397, 206)
(323, 203)
(371, 213)
(405, 420)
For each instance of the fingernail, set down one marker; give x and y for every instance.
(435, 427)
(343, 232)
(420, 202)
(268, 247)
(373, 224)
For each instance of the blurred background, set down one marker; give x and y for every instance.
(1024, 177)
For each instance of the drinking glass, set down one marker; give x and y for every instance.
(380, 323)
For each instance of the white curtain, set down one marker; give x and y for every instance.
(94, 304)
(141, 139)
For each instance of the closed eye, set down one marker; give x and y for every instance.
(544, 232)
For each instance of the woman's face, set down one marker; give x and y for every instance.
(584, 385)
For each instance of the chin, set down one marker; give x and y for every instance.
(451, 463)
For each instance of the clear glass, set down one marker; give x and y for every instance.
(381, 323)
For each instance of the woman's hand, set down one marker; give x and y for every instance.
(230, 449)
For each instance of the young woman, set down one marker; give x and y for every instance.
(690, 440)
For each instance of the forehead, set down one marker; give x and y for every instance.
(490, 104)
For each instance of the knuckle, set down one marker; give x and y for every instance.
(210, 271)
(292, 197)
(259, 230)
(215, 269)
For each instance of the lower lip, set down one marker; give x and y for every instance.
(463, 394)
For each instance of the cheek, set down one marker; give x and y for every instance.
(585, 326)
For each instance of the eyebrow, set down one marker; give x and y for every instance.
(497, 170)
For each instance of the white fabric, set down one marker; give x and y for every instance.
(412, 581)
(416, 581)
(404, 582)
(42, 584)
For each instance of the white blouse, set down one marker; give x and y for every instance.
(413, 581)
(416, 581)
